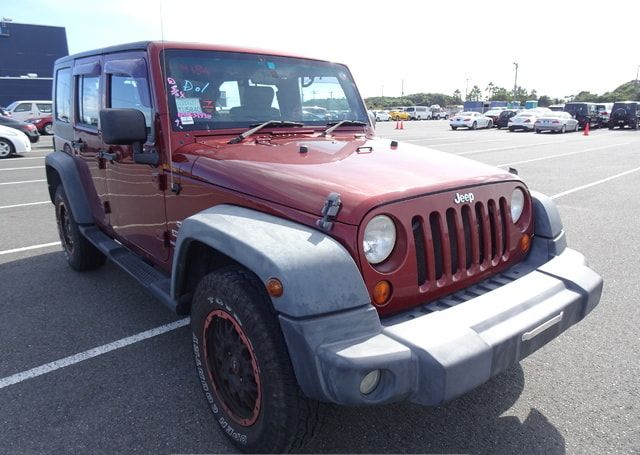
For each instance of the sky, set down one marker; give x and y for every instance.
(562, 47)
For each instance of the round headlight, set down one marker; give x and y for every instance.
(517, 204)
(379, 239)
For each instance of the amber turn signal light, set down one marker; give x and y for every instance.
(274, 287)
(381, 293)
(525, 243)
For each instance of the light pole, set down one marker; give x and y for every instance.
(466, 88)
(515, 82)
(402, 89)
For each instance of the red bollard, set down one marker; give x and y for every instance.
(586, 129)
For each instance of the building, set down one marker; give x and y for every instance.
(27, 53)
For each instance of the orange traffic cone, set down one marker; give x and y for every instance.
(401, 125)
(397, 124)
(586, 129)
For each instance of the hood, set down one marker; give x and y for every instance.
(365, 172)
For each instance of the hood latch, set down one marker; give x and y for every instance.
(329, 212)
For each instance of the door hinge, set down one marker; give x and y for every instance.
(107, 207)
(161, 180)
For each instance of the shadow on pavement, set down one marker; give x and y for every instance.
(470, 424)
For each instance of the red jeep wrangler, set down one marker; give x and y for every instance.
(318, 262)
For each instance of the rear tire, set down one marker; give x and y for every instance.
(474, 125)
(244, 367)
(6, 148)
(454, 128)
(489, 125)
(563, 129)
(48, 129)
(80, 253)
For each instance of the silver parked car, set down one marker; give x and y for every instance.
(558, 122)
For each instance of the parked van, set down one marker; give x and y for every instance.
(418, 112)
(29, 109)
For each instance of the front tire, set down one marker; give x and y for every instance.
(474, 125)
(6, 148)
(80, 253)
(244, 366)
(48, 129)
(454, 128)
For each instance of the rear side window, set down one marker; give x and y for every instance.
(44, 108)
(63, 95)
(89, 100)
(23, 107)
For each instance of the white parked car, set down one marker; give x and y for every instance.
(557, 122)
(471, 120)
(27, 109)
(382, 116)
(524, 120)
(13, 142)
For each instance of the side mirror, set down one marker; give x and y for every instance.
(127, 127)
(122, 126)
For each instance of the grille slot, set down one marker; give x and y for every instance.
(460, 242)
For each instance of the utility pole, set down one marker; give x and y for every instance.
(515, 82)
(466, 88)
(637, 71)
(402, 89)
(382, 91)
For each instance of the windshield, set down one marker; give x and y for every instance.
(213, 90)
(630, 107)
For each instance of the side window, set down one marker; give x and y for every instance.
(63, 95)
(23, 107)
(89, 100)
(44, 108)
(130, 93)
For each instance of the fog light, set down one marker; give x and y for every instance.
(525, 243)
(370, 382)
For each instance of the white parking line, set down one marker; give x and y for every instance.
(27, 248)
(562, 154)
(24, 205)
(76, 358)
(19, 168)
(26, 158)
(589, 185)
(23, 181)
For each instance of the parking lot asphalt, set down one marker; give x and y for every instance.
(578, 394)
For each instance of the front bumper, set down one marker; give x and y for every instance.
(446, 348)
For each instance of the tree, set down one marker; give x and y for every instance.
(475, 94)
(457, 97)
(501, 94)
(544, 101)
(490, 90)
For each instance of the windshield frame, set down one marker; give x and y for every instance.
(343, 76)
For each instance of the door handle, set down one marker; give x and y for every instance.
(103, 154)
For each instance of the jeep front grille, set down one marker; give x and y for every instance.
(462, 242)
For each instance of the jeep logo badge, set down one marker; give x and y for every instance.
(460, 198)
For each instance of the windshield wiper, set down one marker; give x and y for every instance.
(259, 126)
(328, 131)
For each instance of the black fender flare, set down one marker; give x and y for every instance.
(317, 273)
(69, 175)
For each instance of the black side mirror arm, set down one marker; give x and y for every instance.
(151, 157)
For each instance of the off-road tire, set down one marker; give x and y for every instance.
(7, 147)
(80, 253)
(285, 420)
